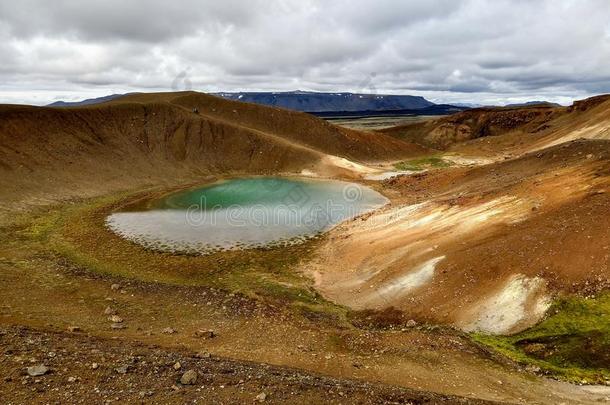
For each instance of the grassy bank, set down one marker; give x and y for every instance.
(76, 234)
(423, 163)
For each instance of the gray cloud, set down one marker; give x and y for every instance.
(448, 51)
(146, 21)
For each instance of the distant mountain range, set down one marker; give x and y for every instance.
(314, 102)
(468, 105)
(321, 104)
(335, 104)
(89, 101)
(534, 104)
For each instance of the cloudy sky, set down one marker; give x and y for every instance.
(446, 50)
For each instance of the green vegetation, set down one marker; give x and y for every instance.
(572, 343)
(423, 163)
(76, 234)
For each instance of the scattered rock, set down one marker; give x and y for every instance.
(530, 368)
(205, 334)
(117, 326)
(122, 369)
(534, 348)
(177, 365)
(411, 323)
(189, 378)
(71, 379)
(115, 319)
(262, 397)
(168, 331)
(35, 371)
(74, 329)
(95, 366)
(109, 311)
(143, 394)
(203, 355)
(115, 287)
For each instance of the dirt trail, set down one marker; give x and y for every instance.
(85, 368)
(54, 298)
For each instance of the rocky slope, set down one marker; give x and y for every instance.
(517, 129)
(499, 239)
(104, 371)
(473, 124)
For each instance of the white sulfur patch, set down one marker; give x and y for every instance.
(348, 164)
(308, 173)
(414, 279)
(439, 217)
(387, 175)
(391, 217)
(520, 299)
(469, 160)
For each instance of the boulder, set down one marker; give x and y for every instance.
(189, 378)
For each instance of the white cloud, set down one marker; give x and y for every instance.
(448, 51)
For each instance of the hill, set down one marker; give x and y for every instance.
(534, 104)
(525, 227)
(142, 138)
(517, 129)
(89, 101)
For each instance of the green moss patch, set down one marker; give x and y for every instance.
(572, 343)
(76, 233)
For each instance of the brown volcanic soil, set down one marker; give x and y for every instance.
(51, 295)
(48, 154)
(541, 216)
(151, 376)
(473, 124)
(515, 130)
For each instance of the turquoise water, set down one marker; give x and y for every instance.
(244, 213)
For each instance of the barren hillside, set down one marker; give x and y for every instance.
(499, 239)
(53, 153)
(517, 129)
